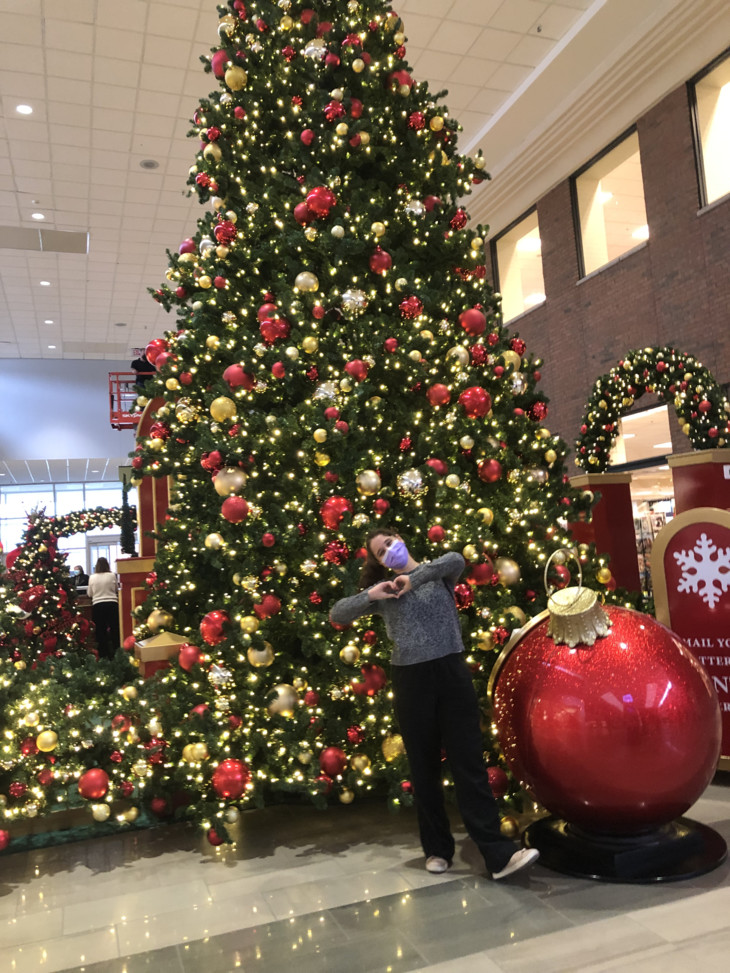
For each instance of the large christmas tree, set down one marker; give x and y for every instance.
(338, 364)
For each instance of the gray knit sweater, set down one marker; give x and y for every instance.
(423, 623)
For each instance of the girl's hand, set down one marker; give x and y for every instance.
(385, 589)
(402, 584)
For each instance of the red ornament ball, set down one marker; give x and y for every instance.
(268, 539)
(473, 322)
(332, 761)
(436, 534)
(214, 838)
(234, 509)
(490, 470)
(4, 839)
(381, 505)
(498, 781)
(333, 510)
(218, 62)
(320, 201)
(188, 656)
(464, 596)
(355, 735)
(230, 778)
(438, 394)
(357, 369)
(476, 402)
(155, 348)
(93, 784)
(380, 261)
(268, 606)
(618, 737)
(237, 377)
(481, 573)
(211, 627)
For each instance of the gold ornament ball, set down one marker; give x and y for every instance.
(199, 752)
(222, 408)
(346, 796)
(466, 442)
(305, 757)
(603, 575)
(414, 354)
(139, 767)
(212, 341)
(286, 23)
(299, 683)
(310, 344)
(205, 282)
(236, 78)
(436, 123)
(19, 664)
(321, 459)
(392, 747)
(516, 612)
(129, 693)
(378, 228)
(452, 481)
(364, 138)
(399, 38)
(100, 812)
(229, 480)
(509, 826)
(31, 719)
(222, 252)
(360, 762)
(486, 514)
(172, 384)
(477, 243)
(232, 815)
(550, 456)
(368, 483)
(470, 552)
(512, 358)
(130, 815)
(459, 354)
(284, 701)
(306, 281)
(187, 753)
(350, 654)
(158, 619)
(292, 352)
(156, 445)
(212, 152)
(184, 258)
(337, 231)
(227, 24)
(508, 571)
(401, 283)
(155, 728)
(485, 641)
(260, 658)
(214, 542)
(46, 741)
(342, 129)
(249, 624)
(319, 435)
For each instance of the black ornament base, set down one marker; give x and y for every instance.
(679, 850)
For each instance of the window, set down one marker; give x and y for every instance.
(710, 99)
(517, 264)
(608, 205)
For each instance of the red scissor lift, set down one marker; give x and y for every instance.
(124, 388)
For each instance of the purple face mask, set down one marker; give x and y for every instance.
(396, 557)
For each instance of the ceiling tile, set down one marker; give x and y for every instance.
(557, 20)
(69, 37)
(531, 50)
(21, 29)
(112, 121)
(507, 77)
(166, 51)
(70, 135)
(115, 71)
(111, 96)
(518, 15)
(80, 10)
(419, 29)
(20, 60)
(131, 13)
(16, 86)
(124, 44)
(471, 12)
(61, 64)
(74, 92)
(170, 21)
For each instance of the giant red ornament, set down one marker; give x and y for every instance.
(93, 784)
(211, 627)
(475, 401)
(473, 321)
(617, 737)
(230, 778)
(234, 509)
(333, 510)
(332, 761)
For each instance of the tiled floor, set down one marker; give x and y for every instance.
(343, 891)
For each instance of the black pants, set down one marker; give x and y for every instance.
(105, 615)
(436, 705)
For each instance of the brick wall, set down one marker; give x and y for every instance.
(672, 290)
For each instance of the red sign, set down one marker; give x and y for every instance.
(691, 574)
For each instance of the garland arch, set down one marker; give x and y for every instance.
(676, 378)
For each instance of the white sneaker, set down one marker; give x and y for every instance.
(520, 859)
(437, 865)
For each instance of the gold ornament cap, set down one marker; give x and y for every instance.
(576, 618)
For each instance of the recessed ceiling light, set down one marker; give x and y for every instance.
(48, 321)
(120, 324)
(149, 164)
(52, 347)
(93, 471)
(45, 283)
(37, 216)
(24, 109)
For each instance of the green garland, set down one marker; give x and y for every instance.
(675, 378)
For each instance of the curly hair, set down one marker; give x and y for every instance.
(372, 570)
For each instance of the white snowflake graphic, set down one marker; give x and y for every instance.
(705, 570)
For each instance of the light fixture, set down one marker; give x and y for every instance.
(641, 233)
(48, 321)
(24, 109)
(120, 324)
(662, 446)
(37, 216)
(532, 299)
(45, 283)
(52, 347)
(149, 164)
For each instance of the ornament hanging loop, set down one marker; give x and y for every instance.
(568, 553)
(576, 618)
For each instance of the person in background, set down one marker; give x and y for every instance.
(104, 608)
(81, 579)
(144, 369)
(434, 697)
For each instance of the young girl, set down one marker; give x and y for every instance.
(435, 701)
